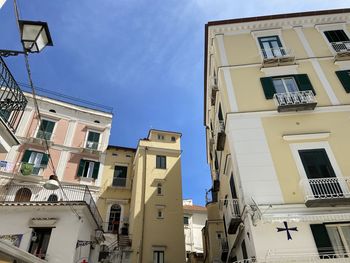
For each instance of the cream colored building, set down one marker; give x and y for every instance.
(141, 201)
(277, 120)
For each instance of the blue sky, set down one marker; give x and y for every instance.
(143, 58)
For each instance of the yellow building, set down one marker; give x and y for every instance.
(277, 120)
(141, 201)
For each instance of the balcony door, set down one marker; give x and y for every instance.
(319, 171)
(271, 47)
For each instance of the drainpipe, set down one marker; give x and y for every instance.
(143, 204)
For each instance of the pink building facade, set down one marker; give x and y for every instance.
(78, 137)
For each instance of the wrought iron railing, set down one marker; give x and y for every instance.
(44, 135)
(342, 46)
(326, 188)
(12, 99)
(295, 98)
(279, 52)
(119, 182)
(34, 193)
(232, 207)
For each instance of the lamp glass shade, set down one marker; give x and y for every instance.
(51, 184)
(35, 35)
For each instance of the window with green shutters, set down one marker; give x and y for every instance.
(344, 77)
(33, 162)
(332, 240)
(93, 140)
(285, 84)
(88, 169)
(45, 129)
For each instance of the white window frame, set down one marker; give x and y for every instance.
(40, 167)
(330, 27)
(87, 136)
(127, 173)
(267, 33)
(155, 259)
(284, 84)
(39, 124)
(92, 169)
(341, 234)
(295, 147)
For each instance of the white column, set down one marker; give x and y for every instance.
(62, 164)
(25, 122)
(68, 140)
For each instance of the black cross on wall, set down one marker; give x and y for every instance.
(279, 229)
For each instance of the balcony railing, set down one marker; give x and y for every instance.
(119, 182)
(12, 99)
(232, 214)
(326, 191)
(30, 169)
(277, 56)
(32, 193)
(342, 50)
(295, 101)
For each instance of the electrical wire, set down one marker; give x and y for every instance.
(37, 110)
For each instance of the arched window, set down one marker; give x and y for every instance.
(159, 189)
(23, 195)
(114, 219)
(52, 198)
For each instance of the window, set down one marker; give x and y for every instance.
(160, 213)
(52, 198)
(271, 47)
(40, 242)
(33, 162)
(114, 218)
(23, 195)
(220, 115)
(186, 220)
(244, 250)
(286, 84)
(158, 256)
(119, 177)
(233, 188)
(173, 139)
(344, 77)
(45, 130)
(317, 167)
(88, 169)
(159, 189)
(160, 137)
(160, 162)
(93, 140)
(332, 240)
(336, 36)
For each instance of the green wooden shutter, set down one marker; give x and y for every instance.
(344, 77)
(323, 243)
(81, 168)
(26, 156)
(49, 126)
(269, 89)
(45, 160)
(95, 171)
(304, 82)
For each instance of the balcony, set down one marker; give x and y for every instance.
(12, 99)
(13, 193)
(220, 136)
(326, 191)
(342, 50)
(232, 214)
(295, 101)
(277, 57)
(39, 137)
(28, 169)
(93, 148)
(224, 249)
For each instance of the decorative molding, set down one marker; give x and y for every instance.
(42, 222)
(306, 136)
(280, 70)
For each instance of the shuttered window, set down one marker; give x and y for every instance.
(344, 77)
(336, 36)
(284, 84)
(33, 162)
(160, 162)
(88, 169)
(322, 240)
(45, 129)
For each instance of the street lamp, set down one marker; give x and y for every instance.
(35, 35)
(52, 183)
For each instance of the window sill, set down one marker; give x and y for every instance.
(85, 179)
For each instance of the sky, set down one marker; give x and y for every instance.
(143, 58)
